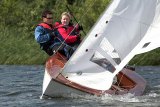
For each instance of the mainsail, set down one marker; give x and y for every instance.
(126, 28)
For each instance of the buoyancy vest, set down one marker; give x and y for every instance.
(69, 33)
(45, 25)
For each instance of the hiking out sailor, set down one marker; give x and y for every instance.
(69, 32)
(49, 41)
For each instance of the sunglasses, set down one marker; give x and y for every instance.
(49, 17)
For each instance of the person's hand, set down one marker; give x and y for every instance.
(78, 38)
(52, 35)
(80, 27)
(78, 34)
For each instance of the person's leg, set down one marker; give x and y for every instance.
(56, 47)
(74, 45)
(68, 51)
(64, 49)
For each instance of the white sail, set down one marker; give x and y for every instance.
(126, 28)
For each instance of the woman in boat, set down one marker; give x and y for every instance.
(48, 40)
(69, 32)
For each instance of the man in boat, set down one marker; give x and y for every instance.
(49, 41)
(69, 32)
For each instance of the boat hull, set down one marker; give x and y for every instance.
(56, 85)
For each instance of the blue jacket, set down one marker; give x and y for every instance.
(42, 35)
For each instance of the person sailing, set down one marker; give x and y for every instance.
(69, 32)
(50, 42)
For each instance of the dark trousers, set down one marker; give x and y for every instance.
(64, 49)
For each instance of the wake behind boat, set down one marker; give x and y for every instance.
(125, 29)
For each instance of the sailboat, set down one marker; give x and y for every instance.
(126, 28)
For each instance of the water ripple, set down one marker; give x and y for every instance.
(21, 86)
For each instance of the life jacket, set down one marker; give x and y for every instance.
(45, 25)
(69, 33)
(59, 25)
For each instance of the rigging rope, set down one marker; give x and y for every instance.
(74, 18)
(58, 3)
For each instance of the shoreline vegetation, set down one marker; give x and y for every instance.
(18, 19)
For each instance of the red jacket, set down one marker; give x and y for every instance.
(69, 33)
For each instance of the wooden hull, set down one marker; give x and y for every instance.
(56, 85)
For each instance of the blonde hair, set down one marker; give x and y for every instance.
(66, 14)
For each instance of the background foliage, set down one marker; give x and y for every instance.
(18, 19)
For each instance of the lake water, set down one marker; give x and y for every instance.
(21, 86)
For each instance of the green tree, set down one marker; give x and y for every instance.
(18, 19)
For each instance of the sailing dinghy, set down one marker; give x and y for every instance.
(97, 67)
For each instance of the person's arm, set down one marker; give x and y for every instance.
(68, 38)
(40, 35)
